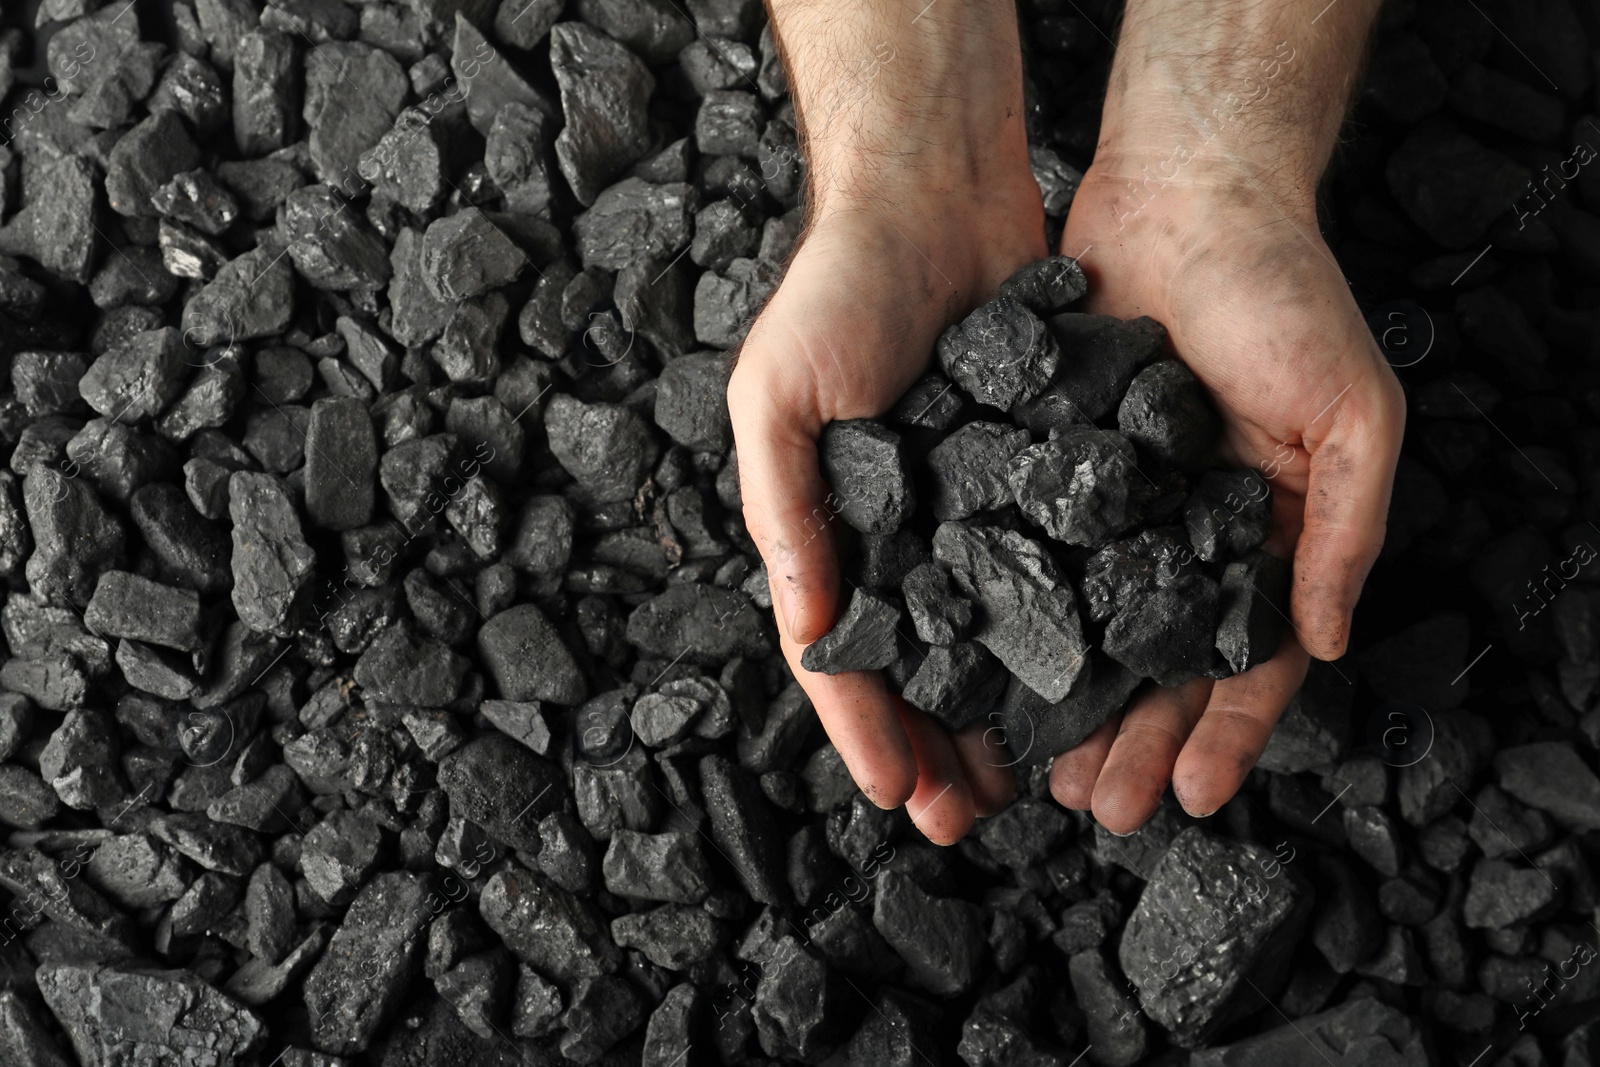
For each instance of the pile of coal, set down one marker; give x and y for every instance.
(388, 677)
(1044, 526)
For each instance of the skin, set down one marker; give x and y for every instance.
(1199, 211)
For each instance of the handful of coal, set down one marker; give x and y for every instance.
(1047, 524)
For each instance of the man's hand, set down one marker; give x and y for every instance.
(920, 203)
(1199, 211)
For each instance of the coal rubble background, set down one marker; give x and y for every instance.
(390, 679)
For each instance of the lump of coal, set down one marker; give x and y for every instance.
(1029, 615)
(1255, 610)
(1167, 414)
(1001, 354)
(1047, 287)
(115, 1013)
(271, 561)
(606, 447)
(605, 93)
(862, 640)
(1209, 914)
(1163, 635)
(1076, 486)
(969, 469)
(865, 465)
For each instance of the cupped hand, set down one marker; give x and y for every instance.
(850, 328)
(1256, 306)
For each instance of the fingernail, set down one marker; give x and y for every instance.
(1113, 833)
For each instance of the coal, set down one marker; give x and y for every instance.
(384, 640)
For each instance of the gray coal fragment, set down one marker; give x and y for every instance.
(466, 255)
(1168, 635)
(727, 302)
(146, 158)
(271, 561)
(605, 95)
(338, 853)
(932, 402)
(361, 979)
(956, 684)
(516, 155)
(1029, 616)
(939, 615)
(116, 1014)
(353, 93)
(1361, 1030)
(1229, 929)
(1047, 287)
(1035, 729)
(503, 787)
(941, 940)
(341, 464)
(1100, 357)
(24, 1039)
(30, 875)
(1077, 486)
(1125, 571)
(1112, 1014)
(692, 402)
(551, 930)
(331, 245)
(608, 448)
(702, 624)
(1228, 514)
(635, 221)
(1167, 413)
(668, 867)
(862, 640)
(138, 378)
(745, 829)
(1550, 776)
(728, 123)
(197, 199)
(265, 91)
(251, 296)
(489, 79)
(29, 801)
(655, 30)
(1501, 893)
(528, 659)
(75, 538)
(1001, 354)
(867, 467)
(56, 226)
(1255, 610)
(672, 936)
(127, 605)
(603, 1011)
(968, 469)
(1314, 730)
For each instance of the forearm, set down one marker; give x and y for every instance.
(1254, 88)
(903, 94)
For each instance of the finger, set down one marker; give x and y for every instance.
(864, 725)
(787, 508)
(987, 765)
(1139, 766)
(942, 807)
(1234, 730)
(1073, 773)
(1346, 507)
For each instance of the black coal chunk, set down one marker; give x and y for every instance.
(1209, 910)
(271, 561)
(503, 787)
(139, 377)
(1163, 635)
(375, 953)
(467, 254)
(744, 829)
(117, 1013)
(1001, 354)
(968, 469)
(956, 684)
(1035, 729)
(1228, 514)
(341, 463)
(126, 605)
(146, 158)
(1125, 571)
(556, 933)
(1077, 486)
(605, 93)
(702, 624)
(635, 221)
(608, 448)
(75, 538)
(1361, 1029)
(1047, 286)
(1166, 413)
(1029, 616)
(528, 659)
(1255, 610)
(862, 640)
(940, 939)
(1552, 777)
(866, 466)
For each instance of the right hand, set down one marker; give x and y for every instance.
(920, 203)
